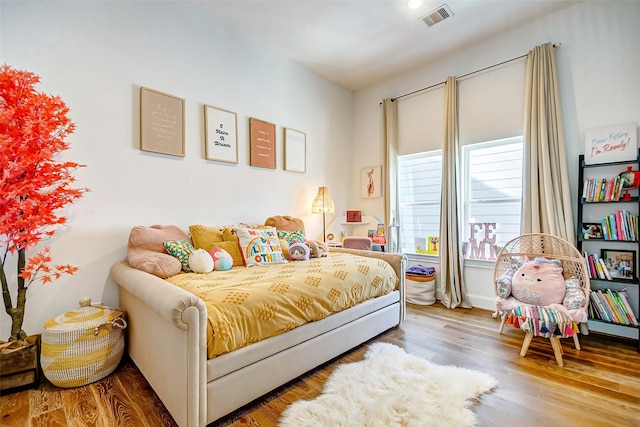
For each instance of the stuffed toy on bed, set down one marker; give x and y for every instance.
(200, 261)
(299, 252)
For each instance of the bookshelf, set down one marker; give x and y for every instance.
(608, 237)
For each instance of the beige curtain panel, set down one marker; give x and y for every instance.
(390, 190)
(454, 292)
(546, 198)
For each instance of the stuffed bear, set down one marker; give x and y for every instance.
(200, 261)
(539, 282)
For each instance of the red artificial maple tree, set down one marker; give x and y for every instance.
(33, 186)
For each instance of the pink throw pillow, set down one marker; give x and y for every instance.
(145, 250)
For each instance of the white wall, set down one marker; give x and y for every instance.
(598, 65)
(96, 55)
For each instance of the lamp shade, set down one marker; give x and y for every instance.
(322, 203)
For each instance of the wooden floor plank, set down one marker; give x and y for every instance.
(599, 386)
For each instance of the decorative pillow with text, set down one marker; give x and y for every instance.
(260, 247)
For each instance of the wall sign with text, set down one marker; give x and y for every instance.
(611, 144)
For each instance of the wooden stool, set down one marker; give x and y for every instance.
(546, 322)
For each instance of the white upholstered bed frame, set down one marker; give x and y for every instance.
(167, 342)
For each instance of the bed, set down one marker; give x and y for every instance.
(170, 327)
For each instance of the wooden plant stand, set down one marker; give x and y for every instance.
(20, 368)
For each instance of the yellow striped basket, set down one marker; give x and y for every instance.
(82, 346)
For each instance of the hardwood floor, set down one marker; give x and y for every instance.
(598, 386)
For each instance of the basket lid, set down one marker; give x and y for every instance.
(87, 316)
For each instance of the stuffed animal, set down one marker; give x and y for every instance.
(222, 260)
(539, 282)
(200, 261)
(299, 252)
(318, 249)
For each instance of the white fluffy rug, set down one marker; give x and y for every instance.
(392, 388)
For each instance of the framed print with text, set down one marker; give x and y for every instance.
(161, 122)
(262, 142)
(295, 150)
(221, 134)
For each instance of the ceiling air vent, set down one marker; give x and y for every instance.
(441, 13)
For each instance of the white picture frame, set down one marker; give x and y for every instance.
(295, 150)
(221, 134)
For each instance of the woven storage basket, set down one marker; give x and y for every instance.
(420, 290)
(82, 346)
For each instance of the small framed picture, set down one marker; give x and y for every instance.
(621, 264)
(371, 182)
(354, 216)
(592, 230)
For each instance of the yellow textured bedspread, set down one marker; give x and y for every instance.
(245, 305)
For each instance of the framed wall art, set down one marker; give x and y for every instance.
(262, 142)
(161, 122)
(371, 182)
(354, 216)
(621, 264)
(592, 230)
(221, 134)
(295, 150)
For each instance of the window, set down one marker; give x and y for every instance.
(492, 195)
(419, 182)
(491, 188)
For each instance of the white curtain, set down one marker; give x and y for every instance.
(390, 135)
(452, 287)
(546, 198)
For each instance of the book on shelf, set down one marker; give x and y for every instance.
(602, 189)
(611, 306)
(624, 299)
(620, 225)
(596, 267)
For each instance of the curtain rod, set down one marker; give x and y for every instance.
(555, 45)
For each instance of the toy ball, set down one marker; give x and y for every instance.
(200, 261)
(221, 259)
(299, 252)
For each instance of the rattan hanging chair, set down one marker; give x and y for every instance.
(527, 247)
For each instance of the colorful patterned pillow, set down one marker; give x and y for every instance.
(260, 247)
(181, 249)
(503, 284)
(291, 237)
(574, 297)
